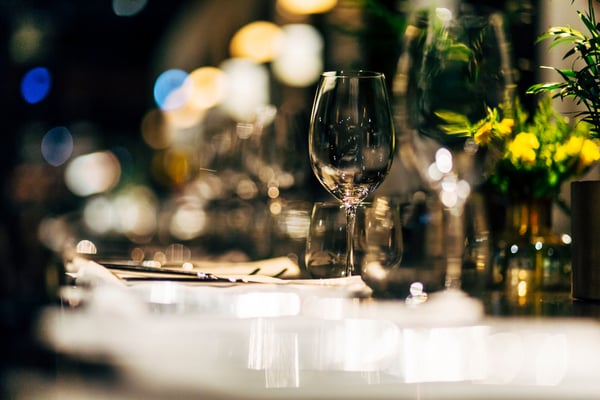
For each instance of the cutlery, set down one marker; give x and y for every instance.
(179, 275)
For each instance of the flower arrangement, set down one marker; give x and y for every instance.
(531, 155)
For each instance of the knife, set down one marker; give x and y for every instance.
(179, 274)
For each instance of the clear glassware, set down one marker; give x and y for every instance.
(351, 140)
(378, 245)
(456, 60)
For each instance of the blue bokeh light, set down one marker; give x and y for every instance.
(169, 90)
(128, 8)
(57, 146)
(36, 84)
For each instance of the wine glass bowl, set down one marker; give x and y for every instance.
(351, 138)
(456, 62)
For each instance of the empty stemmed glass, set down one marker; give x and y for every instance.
(456, 67)
(351, 139)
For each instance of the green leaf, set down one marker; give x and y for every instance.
(459, 52)
(545, 87)
(589, 23)
(454, 123)
(566, 73)
(453, 118)
(560, 41)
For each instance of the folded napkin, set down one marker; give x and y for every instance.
(281, 267)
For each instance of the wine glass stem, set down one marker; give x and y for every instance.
(350, 222)
(455, 242)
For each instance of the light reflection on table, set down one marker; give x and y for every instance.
(273, 341)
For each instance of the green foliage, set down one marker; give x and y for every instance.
(582, 82)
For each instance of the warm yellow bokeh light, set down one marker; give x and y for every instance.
(208, 87)
(307, 6)
(183, 117)
(257, 41)
(177, 166)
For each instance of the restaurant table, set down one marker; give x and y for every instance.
(260, 337)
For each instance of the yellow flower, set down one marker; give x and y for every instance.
(561, 154)
(483, 135)
(522, 148)
(589, 153)
(505, 126)
(574, 146)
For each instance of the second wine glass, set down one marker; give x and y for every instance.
(455, 69)
(351, 139)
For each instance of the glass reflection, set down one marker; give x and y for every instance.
(266, 304)
(276, 352)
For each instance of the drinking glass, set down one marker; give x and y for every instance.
(377, 239)
(351, 140)
(456, 61)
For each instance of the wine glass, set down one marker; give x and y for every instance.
(457, 61)
(351, 140)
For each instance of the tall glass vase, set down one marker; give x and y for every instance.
(530, 256)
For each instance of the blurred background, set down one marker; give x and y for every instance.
(178, 129)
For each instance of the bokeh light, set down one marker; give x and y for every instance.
(177, 166)
(307, 6)
(208, 86)
(443, 159)
(128, 8)
(93, 173)
(171, 89)
(247, 88)
(172, 166)
(183, 117)
(258, 41)
(188, 222)
(86, 247)
(203, 88)
(36, 84)
(27, 39)
(137, 210)
(99, 215)
(299, 62)
(155, 131)
(57, 146)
